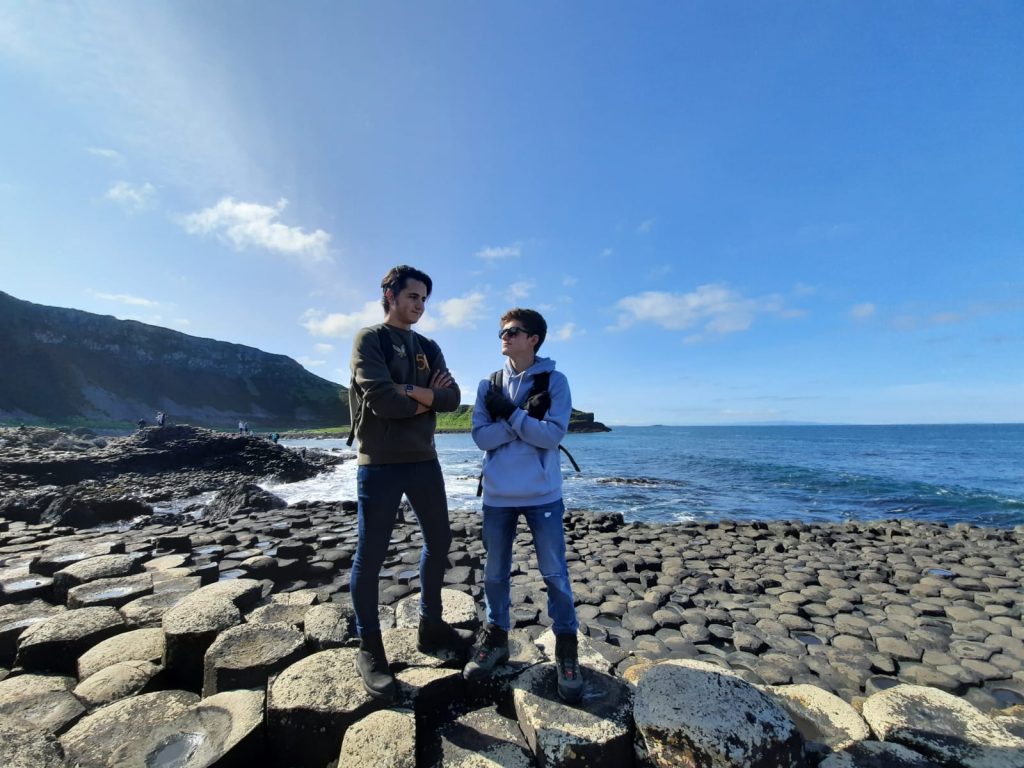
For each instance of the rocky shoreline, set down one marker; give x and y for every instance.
(228, 640)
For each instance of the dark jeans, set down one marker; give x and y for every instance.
(545, 522)
(379, 490)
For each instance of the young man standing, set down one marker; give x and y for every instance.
(520, 427)
(399, 382)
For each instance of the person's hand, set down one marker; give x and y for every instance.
(498, 404)
(538, 405)
(441, 380)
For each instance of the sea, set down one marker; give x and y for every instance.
(945, 474)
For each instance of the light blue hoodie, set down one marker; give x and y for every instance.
(521, 467)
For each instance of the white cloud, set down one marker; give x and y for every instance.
(323, 349)
(520, 290)
(462, 312)
(340, 325)
(565, 333)
(645, 226)
(715, 308)
(498, 253)
(308, 362)
(134, 197)
(125, 298)
(862, 311)
(570, 280)
(108, 154)
(253, 224)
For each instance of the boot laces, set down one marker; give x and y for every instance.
(485, 641)
(570, 667)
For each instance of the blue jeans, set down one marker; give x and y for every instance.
(545, 523)
(379, 491)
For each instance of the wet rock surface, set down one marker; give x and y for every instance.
(811, 624)
(57, 476)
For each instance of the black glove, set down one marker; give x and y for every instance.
(538, 405)
(498, 404)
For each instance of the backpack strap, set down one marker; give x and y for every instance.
(497, 380)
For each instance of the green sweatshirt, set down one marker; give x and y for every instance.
(386, 426)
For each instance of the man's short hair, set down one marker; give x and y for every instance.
(531, 320)
(397, 278)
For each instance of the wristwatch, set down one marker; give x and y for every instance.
(408, 389)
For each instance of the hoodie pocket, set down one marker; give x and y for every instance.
(516, 470)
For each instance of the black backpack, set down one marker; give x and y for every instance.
(540, 384)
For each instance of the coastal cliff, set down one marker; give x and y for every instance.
(67, 366)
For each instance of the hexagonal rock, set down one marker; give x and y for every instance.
(103, 567)
(385, 739)
(694, 713)
(427, 691)
(597, 732)
(223, 729)
(331, 625)
(821, 717)
(22, 746)
(89, 743)
(192, 625)
(943, 727)
(484, 739)
(15, 619)
(168, 562)
(276, 613)
(149, 611)
(54, 645)
(115, 682)
(137, 644)
(113, 592)
(876, 754)
(65, 553)
(311, 705)
(587, 654)
(247, 655)
(42, 701)
(457, 608)
(401, 650)
(25, 586)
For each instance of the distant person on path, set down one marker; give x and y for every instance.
(142, 423)
(520, 426)
(399, 382)
(159, 418)
(241, 427)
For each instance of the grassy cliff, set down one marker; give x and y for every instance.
(65, 366)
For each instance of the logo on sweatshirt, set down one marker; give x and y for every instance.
(400, 351)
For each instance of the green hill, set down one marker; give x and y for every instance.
(65, 366)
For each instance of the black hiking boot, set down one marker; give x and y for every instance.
(490, 651)
(570, 677)
(436, 635)
(372, 665)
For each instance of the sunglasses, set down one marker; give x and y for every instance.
(511, 332)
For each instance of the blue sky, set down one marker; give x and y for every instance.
(728, 212)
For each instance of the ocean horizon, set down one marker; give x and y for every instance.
(942, 473)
